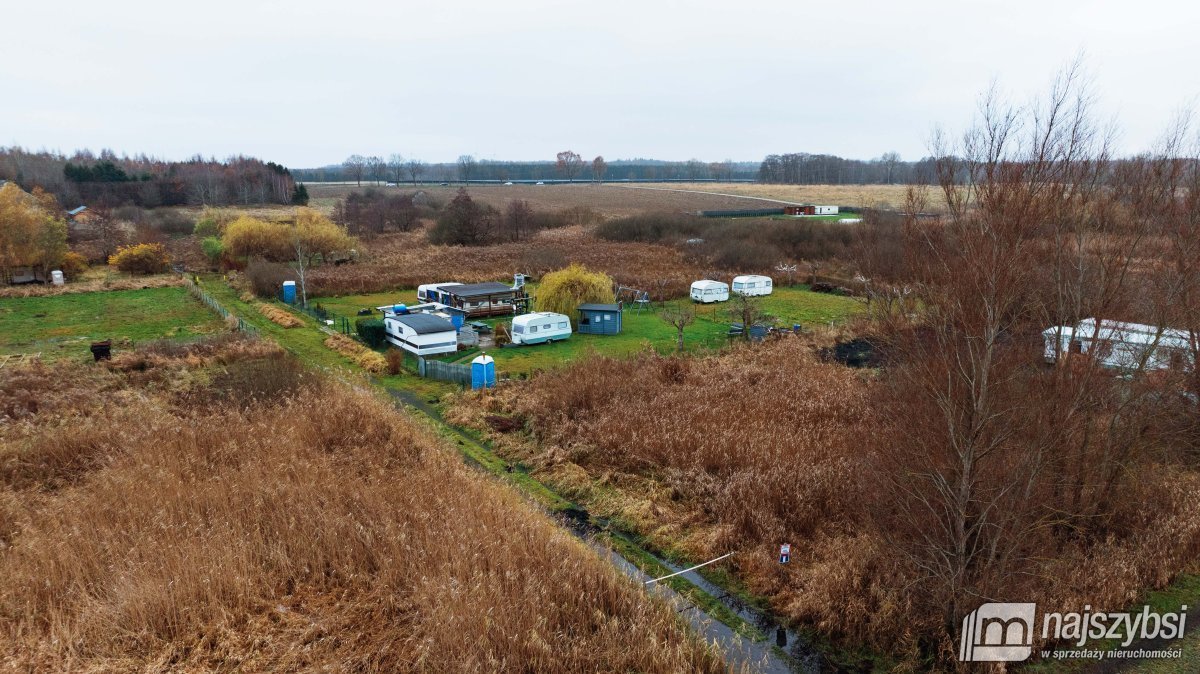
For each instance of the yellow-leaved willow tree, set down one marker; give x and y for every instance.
(32, 233)
(564, 290)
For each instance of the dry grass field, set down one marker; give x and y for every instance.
(212, 507)
(608, 199)
(862, 196)
(407, 260)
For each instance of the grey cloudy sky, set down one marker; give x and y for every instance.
(307, 83)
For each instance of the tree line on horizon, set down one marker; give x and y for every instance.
(798, 168)
(109, 180)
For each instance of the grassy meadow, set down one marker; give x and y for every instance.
(643, 330)
(62, 326)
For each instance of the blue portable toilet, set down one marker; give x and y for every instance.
(288, 292)
(483, 372)
(599, 319)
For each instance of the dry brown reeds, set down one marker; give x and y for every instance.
(760, 446)
(371, 361)
(317, 530)
(279, 316)
(408, 260)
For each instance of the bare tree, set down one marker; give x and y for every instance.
(890, 160)
(569, 164)
(355, 166)
(995, 461)
(748, 310)
(599, 168)
(414, 167)
(395, 165)
(376, 168)
(678, 317)
(466, 167)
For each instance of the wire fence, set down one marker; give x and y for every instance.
(211, 303)
(328, 318)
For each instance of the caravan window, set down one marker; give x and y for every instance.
(739, 285)
(562, 325)
(533, 328)
(519, 329)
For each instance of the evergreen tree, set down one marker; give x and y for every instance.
(300, 195)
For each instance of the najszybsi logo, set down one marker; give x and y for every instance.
(1003, 632)
(998, 633)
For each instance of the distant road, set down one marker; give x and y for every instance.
(720, 194)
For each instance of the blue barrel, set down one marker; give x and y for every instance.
(399, 309)
(483, 372)
(289, 292)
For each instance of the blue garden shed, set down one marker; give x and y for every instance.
(599, 319)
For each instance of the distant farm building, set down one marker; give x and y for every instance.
(809, 209)
(421, 334)
(599, 319)
(1123, 346)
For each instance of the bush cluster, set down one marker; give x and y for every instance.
(371, 331)
(141, 258)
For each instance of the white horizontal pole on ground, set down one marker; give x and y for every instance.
(655, 580)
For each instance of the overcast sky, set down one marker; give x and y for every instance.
(308, 83)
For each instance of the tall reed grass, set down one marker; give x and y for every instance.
(316, 528)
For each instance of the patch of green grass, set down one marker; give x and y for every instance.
(60, 326)
(1184, 590)
(349, 305)
(641, 330)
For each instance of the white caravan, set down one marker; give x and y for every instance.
(540, 326)
(752, 285)
(707, 291)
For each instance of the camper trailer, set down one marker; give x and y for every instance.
(541, 326)
(752, 285)
(429, 292)
(707, 291)
(1121, 346)
(421, 334)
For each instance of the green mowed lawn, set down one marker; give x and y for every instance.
(642, 330)
(64, 325)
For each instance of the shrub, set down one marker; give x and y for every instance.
(73, 265)
(212, 249)
(464, 222)
(169, 221)
(653, 227)
(142, 258)
(395, 361)
(564, 290)
(266, 278)
(212, 222)
(371, 332)
(251, 237)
